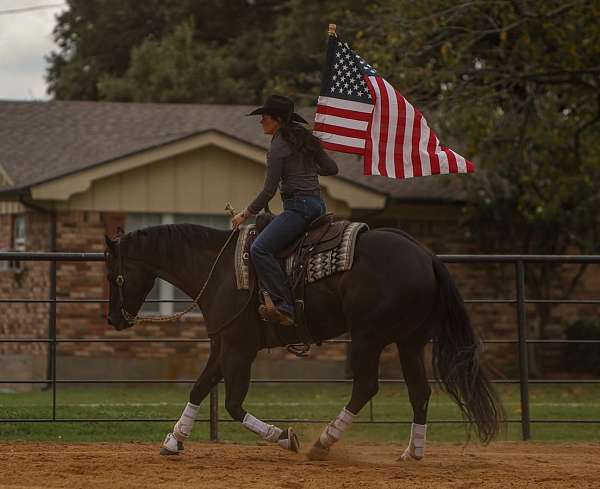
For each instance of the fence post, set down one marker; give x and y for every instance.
(523, 353)
(51, 365)
(214, 413)
(53, 334)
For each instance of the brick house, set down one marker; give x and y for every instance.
(77, 170)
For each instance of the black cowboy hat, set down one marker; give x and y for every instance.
(279, 106)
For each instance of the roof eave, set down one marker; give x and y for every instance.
(427, 200)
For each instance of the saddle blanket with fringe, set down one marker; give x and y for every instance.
(320, 265)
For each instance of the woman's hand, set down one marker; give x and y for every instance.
(237, 220)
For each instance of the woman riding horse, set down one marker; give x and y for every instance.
(397, 292)
(294, 162)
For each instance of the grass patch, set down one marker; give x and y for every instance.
(277, 401)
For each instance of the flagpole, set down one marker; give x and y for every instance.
(331, 29)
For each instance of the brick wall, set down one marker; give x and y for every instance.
(84, 231)
(30, 281)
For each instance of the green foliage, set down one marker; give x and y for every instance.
(177, 69)
(518, 84)
(209, 51)
(583, 358)
(95, 37)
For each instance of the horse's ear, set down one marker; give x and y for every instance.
(109, 242)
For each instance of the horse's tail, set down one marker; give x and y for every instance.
(457, 363)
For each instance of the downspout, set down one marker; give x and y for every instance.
(51, 350)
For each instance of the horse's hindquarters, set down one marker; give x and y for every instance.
(392, 286)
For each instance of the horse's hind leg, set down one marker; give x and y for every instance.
(237, 364)
(364, 360)
(210, 376)
(415, 375)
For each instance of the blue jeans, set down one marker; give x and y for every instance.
(287, 227)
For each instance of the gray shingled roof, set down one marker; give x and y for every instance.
(41, 141)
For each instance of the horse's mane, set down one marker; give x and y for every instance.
(165, 237)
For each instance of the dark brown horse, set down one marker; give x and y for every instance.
(396, 292)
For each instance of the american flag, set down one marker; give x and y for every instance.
(359, 112)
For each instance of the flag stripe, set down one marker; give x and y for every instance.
(342, 148)
(339, 130)
(339, 103)
(415, 157)
(383, 105)
(434, 158)
(443, 161)
(338, 139)
(400, 130)
(341, 122)
(460, 163)
(452, 166)
(407, 143)
(368, 155)
(390, 155)
(343, 113)
(375, 128)
(424, 139)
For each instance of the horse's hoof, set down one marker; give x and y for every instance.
(407, 456)
(294, 442)
(289, 440)
(171, 446)
(318, 452)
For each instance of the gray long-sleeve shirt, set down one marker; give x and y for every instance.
(289, 169)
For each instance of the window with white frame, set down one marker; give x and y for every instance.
(162, 290)
(19, 239)
(19, 233)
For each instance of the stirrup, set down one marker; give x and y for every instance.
(299, 349)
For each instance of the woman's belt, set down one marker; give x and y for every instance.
(302, 193)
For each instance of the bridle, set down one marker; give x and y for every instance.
(135, 319)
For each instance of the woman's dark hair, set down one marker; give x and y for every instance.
(301, 140)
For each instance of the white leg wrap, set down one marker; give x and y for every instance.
(184, 426)
(266, 431)
(334, 430)
(416, 446)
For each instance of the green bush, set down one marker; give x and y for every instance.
(583, 358)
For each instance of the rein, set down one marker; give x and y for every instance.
(136, 319)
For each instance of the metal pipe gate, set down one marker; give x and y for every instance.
(519, 262)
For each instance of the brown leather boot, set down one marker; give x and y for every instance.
(273, 315)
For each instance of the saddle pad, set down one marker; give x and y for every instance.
(320, 265)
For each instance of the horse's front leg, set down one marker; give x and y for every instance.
(236, 369)
(211, 375)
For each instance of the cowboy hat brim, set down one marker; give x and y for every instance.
(267, 110)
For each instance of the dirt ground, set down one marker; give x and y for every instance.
(358, 465)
